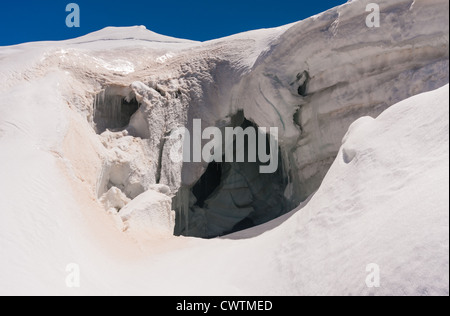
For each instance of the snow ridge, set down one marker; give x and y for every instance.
(363, 123)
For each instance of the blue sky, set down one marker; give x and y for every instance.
(37, 20)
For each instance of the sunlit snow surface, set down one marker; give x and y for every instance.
(383, 201)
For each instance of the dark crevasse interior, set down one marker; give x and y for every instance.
(229, 197)
(208, 183)
(113, 112)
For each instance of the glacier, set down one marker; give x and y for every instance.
(87, 177)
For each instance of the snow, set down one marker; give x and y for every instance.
(114, 200)
(365, 154)
(150, 213)
(133, 33)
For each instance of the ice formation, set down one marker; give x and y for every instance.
(311, 80)
(85, 129)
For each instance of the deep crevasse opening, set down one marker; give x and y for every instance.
(228, 197)
(231, 196)
(113, 111)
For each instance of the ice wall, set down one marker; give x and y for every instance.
(327, 71)
(311, 79)
(113, 111)
(352, 71)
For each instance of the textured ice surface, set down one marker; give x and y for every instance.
(384, 201)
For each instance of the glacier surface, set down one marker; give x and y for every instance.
(86, 174)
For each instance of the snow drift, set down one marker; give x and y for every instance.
(87, 178)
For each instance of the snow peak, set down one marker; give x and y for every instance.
(185, 306)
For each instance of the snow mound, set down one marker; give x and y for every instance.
(149, 214)
(133, 33)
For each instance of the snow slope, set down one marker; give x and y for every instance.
(384, 200)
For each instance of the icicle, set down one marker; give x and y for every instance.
(287, 176)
